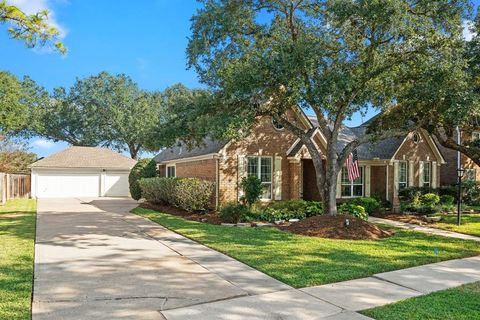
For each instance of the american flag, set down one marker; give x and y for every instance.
(352, 166)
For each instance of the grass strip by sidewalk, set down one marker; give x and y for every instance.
(470, 223)
(307, 261)
(17, 233)
(461, 303)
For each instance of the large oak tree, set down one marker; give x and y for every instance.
(334, 58)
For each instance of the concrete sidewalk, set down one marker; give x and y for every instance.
(416, 227)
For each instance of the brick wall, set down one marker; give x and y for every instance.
(264, 140)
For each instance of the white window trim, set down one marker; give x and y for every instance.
(429, 182)
(406, 174)
(351, 184)
(171, 166)
(260, 172)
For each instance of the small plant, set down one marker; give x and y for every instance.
(447, 199)
(234, 212)
(252, 188)
(353, 210)
(430, 199)
(370, 204)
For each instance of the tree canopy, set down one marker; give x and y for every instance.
(106, 110)
(33, 29)
(444, 95)
(332, 58)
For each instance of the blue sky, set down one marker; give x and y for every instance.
(144, 39)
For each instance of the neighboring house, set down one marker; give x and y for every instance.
(449, 171)
(286, 170)
(82, 172)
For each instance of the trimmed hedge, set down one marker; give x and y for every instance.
(190, 194)
(145, 168)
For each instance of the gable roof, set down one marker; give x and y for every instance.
(86, 157)
(181, 151)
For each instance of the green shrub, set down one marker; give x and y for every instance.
(190, 194)
(447, 199)
(353, 210)
(193, 194)
(371, 205)
(291, 209)
(252, 188)
(145, 168)
(430, 199)
(471, 192)
(234, 212)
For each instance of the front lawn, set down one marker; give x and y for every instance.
(456, 303)
(17, 232)
(470, 223)
(302, 261)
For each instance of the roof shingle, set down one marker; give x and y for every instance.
(86, 157)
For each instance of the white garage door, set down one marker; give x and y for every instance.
(116, 185)
(64, 185)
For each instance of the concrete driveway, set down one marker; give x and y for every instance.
(94, 260)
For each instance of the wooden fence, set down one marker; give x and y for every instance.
(14, 186)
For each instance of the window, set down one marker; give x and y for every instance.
(261, 167)
(171, 171)
(476, 136)
(277, 125)
(354, 188)
(416, 138)
(427, 174)
(470, 175)
(402, 175)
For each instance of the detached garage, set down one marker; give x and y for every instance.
(82, 172)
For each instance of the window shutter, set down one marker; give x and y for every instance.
(277, 182)
(339, 184)
(420, 174)
(434, 174)
(367, 181)
(395, 178)
(411, 175)
(242, 172)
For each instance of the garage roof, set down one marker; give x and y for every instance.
(86, 157)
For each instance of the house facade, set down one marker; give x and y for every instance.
(285, 167)
(449, 172)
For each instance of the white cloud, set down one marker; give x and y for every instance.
(43, 144)
(467, 33)
(34, 6)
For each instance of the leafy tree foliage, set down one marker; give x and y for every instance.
(12, 111)
(107, 110)
(145, 168)
(33, 29)
(14, 156)
(333, 58)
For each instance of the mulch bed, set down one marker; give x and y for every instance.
(333, 227)
(208, 217)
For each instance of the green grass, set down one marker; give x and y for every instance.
(17, 232)
(306, 261)
(456, 303)
(470, 223)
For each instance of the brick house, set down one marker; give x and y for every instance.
(286, 170)
(449, 171)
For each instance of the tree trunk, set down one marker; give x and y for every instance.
(133, 151)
